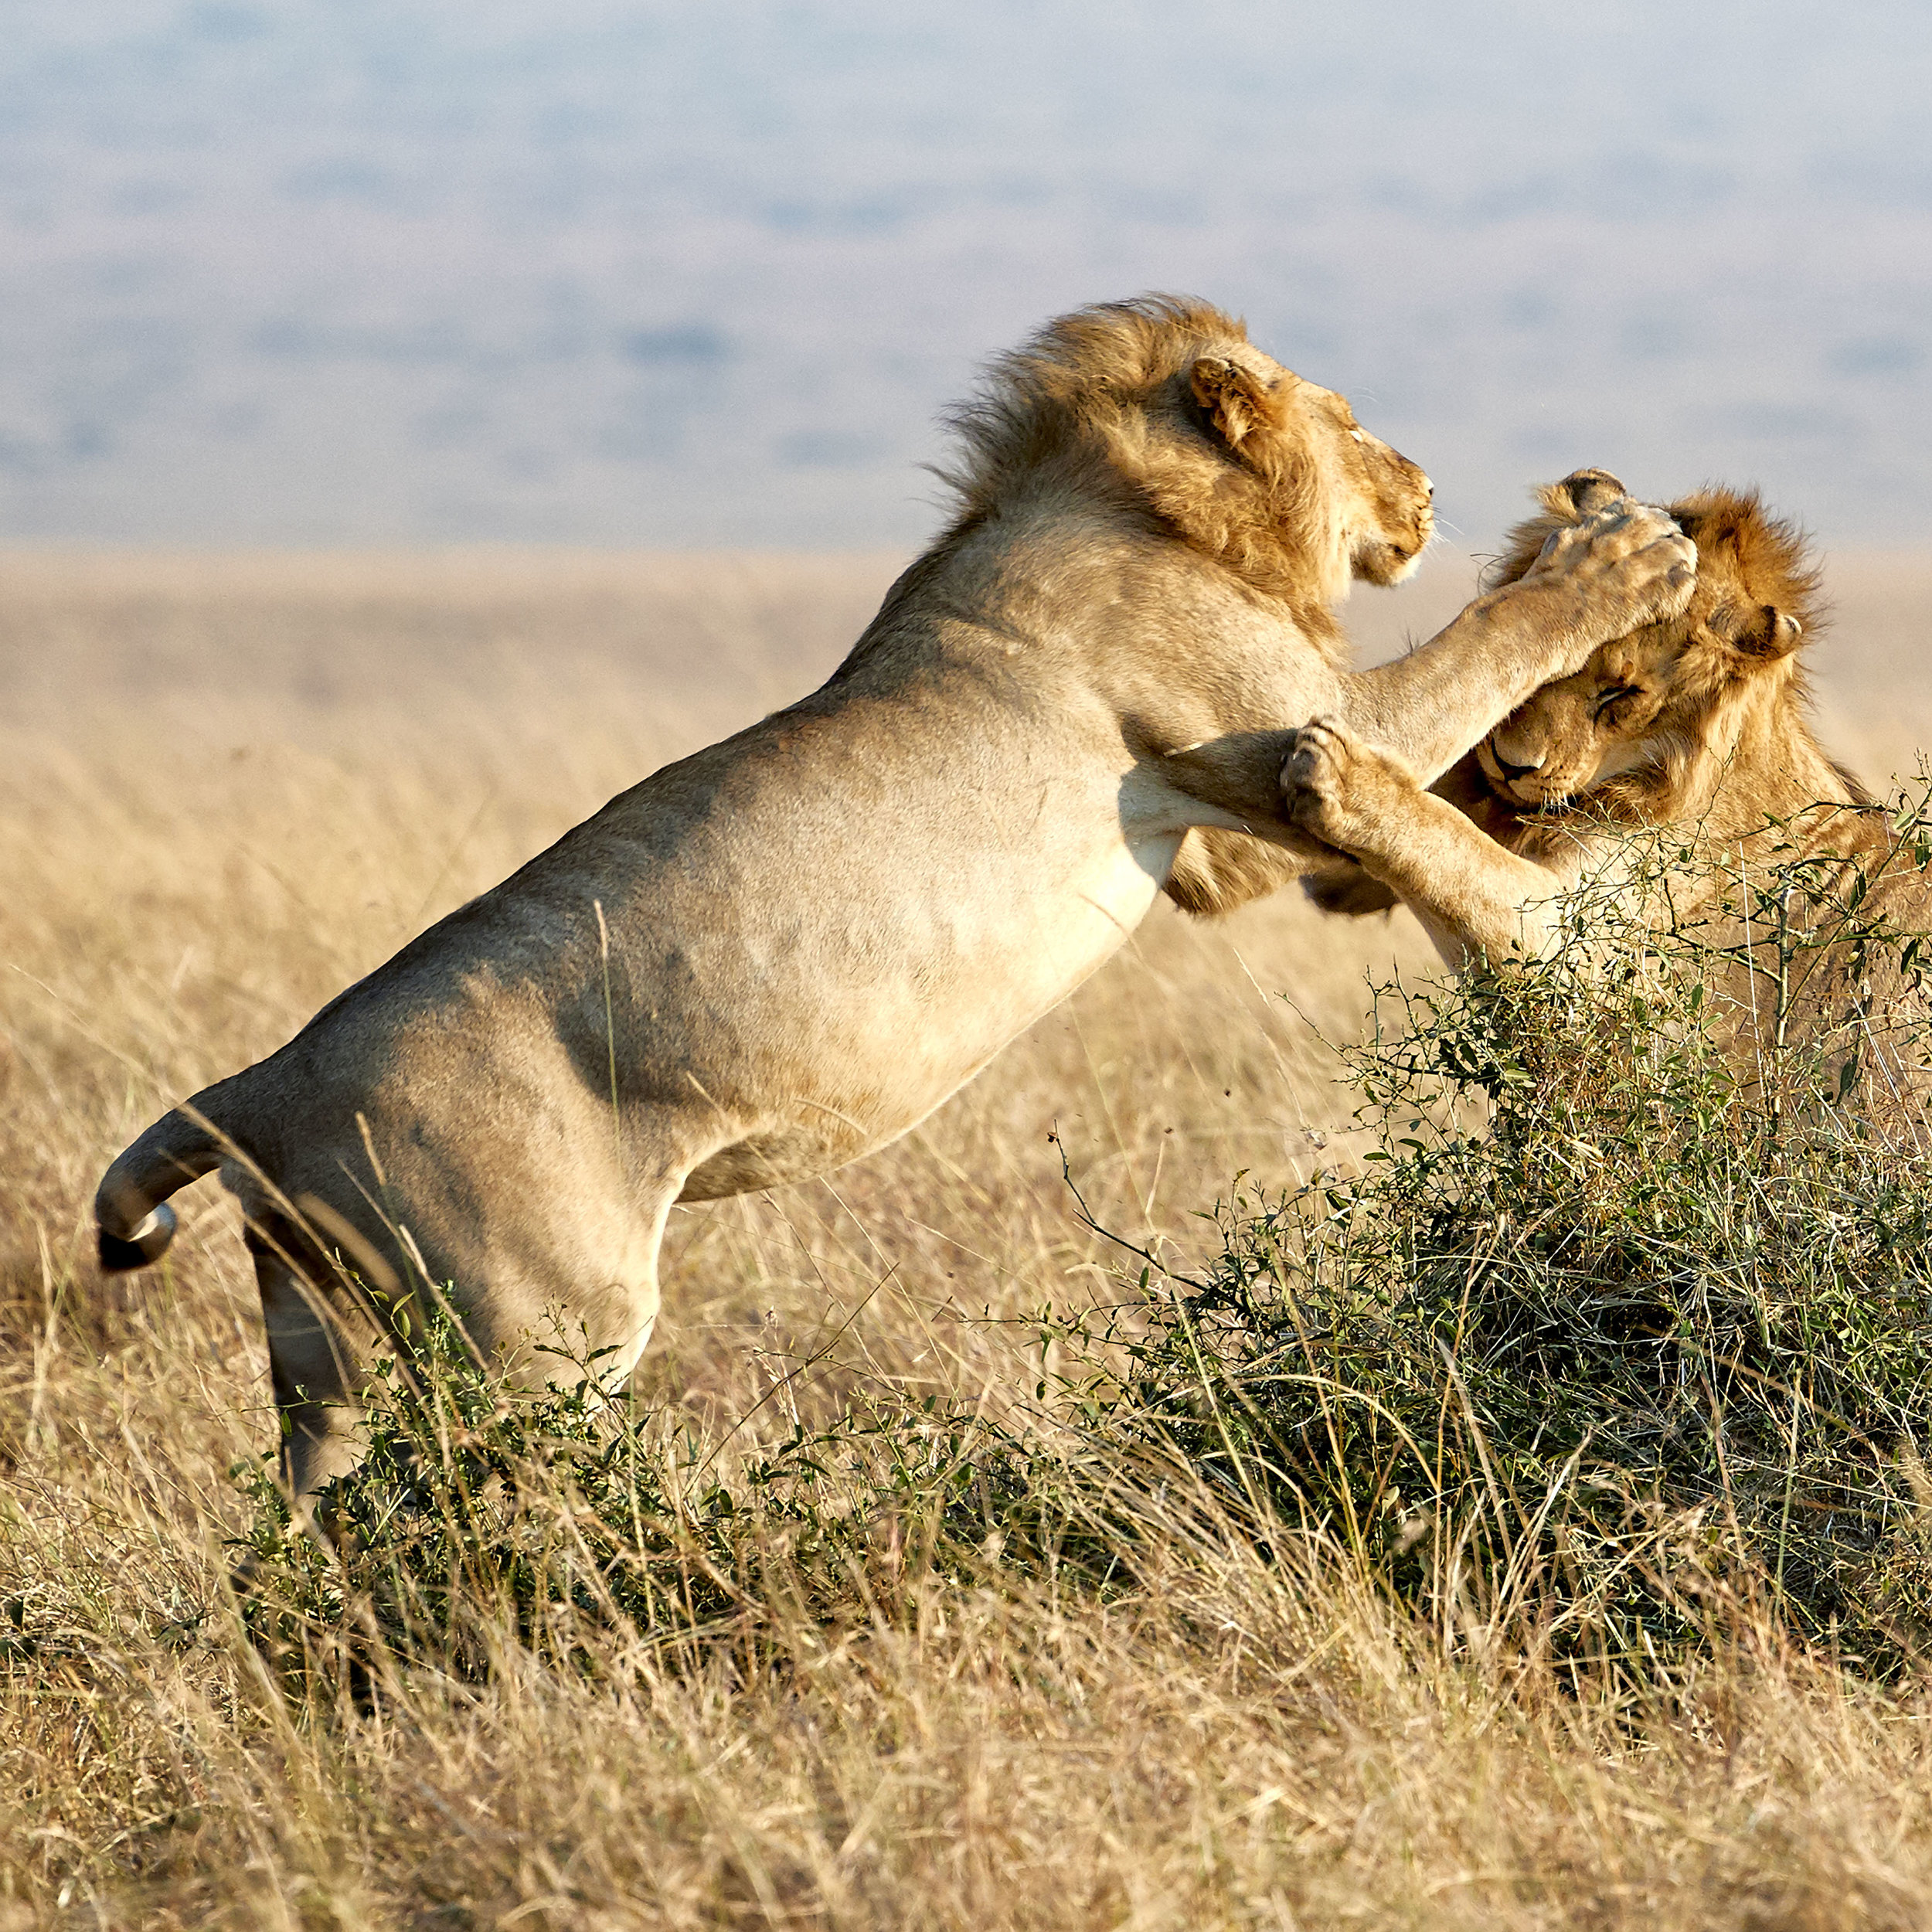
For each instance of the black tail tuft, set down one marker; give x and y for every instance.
(131, 1205)
(145, 1247)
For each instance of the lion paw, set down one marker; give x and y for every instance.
(1629, 559)
(1337, 788)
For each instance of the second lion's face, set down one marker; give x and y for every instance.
(1580, 732)
(1646, 699)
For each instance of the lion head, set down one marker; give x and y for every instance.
(1626, 730)
(1164, 402)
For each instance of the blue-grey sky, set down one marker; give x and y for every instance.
(376, 271)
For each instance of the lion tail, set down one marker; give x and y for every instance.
(130, 1205)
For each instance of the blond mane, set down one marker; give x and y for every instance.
(1695, 725)
(1097, 405)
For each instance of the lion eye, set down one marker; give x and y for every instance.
(1614, 696)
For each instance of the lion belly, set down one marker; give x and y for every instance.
(867, 1073)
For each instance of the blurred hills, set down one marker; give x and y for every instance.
(377, 271)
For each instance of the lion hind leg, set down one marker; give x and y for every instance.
(316, 1364)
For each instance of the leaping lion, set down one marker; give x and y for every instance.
(777, 955)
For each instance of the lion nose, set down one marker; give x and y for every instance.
(1512, 773)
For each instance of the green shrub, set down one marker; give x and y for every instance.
(1654, 1342)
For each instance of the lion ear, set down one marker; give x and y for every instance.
(1582, 493)
(1760, 631)
(1236, 401)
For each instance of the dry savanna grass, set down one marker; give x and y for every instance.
(232, 785)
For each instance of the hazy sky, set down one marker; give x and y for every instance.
(379, 271)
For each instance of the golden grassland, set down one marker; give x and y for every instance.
(232, 784)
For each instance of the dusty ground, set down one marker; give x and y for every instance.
(227, 786)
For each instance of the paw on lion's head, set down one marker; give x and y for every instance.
(1267, 472)
(1625, 729)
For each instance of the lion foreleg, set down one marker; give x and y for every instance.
(1615, 572)
(1238, 776)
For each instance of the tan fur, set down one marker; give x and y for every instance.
(1698, 723)
(769, 958)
